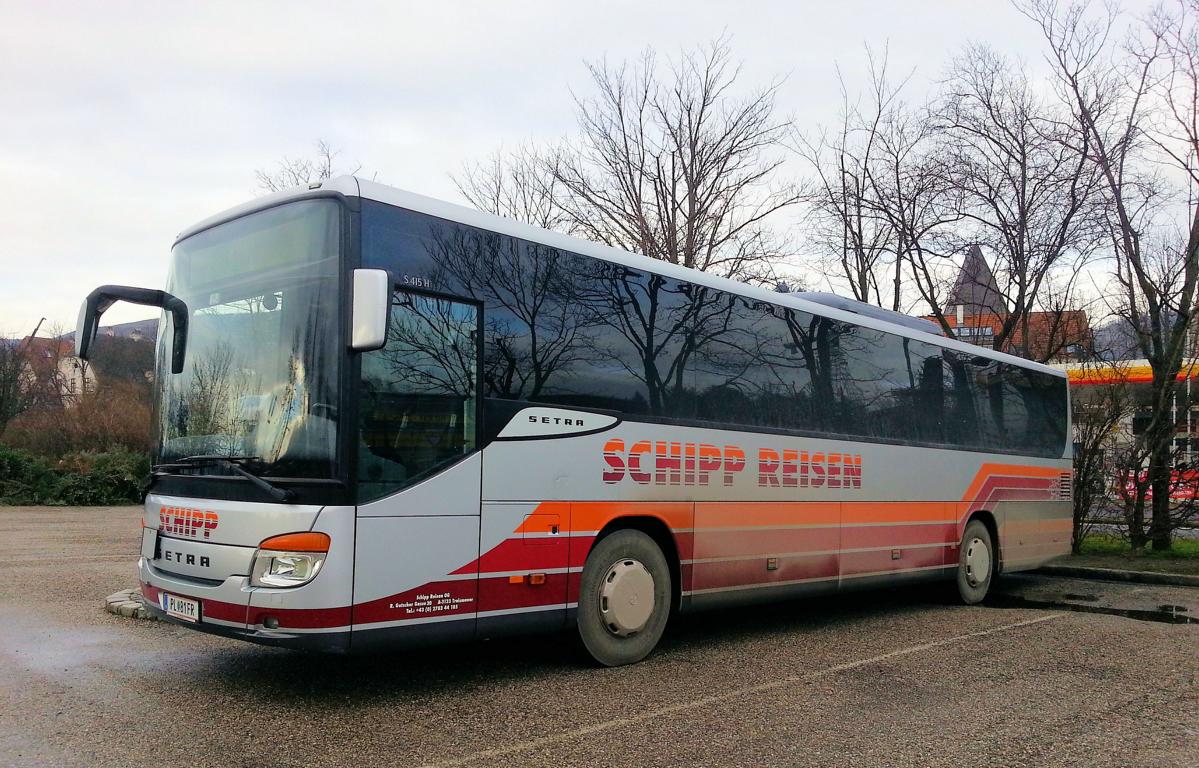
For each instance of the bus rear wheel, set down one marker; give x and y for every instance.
(624, 598)
(976, 563)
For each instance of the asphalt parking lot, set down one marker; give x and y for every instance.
(893, 678)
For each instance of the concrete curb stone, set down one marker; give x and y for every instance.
(129, 604)
(1113, 574)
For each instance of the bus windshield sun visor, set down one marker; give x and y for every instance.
(99, 300)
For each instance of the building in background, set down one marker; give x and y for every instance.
(1135, 376)
(976, 311)
(51, 374)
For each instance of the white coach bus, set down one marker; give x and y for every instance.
(384, 420)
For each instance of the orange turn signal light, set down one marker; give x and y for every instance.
(297, 542)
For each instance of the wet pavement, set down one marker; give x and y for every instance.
(1052, 672)
(1146, 602)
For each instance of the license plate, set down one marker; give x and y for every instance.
(180, 607)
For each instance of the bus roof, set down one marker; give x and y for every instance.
(351, 186)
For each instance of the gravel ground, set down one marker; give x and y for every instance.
(874, 679)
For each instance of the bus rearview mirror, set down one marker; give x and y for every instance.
(98, 302)
(85, 330)
(371, 304)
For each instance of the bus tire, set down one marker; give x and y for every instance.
(624, 598)
(976, 563)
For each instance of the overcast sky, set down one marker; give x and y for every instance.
(124, 123)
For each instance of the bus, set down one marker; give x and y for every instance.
(386, 421)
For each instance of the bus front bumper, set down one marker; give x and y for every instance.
(225, 609)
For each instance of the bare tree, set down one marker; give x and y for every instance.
(1016, 168)
(518, 184)
(669, 162)
(14, 396)
(1139, 105)
(1098, 413)
(676, 165)
(911, 193)
(847, 225)
(1059, 326)
(302, 171)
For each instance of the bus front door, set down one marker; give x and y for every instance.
(419, 475)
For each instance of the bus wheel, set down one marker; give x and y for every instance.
(976, 563)
(624, 598)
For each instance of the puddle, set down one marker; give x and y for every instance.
(66, 652)
(1165, 614)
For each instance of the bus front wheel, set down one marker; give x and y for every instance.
(624, 598)
(976, 563)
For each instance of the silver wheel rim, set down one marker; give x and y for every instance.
(626, 599)
(978, 561)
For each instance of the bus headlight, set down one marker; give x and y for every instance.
(290, 560)
(284, 569)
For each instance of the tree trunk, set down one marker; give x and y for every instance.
(1136, 520)
(1082, 506)
(1159, 481)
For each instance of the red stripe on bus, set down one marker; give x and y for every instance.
(302, 618)
(580, 547)
(739, 543)
(501, 594)
(1002, 483)
(431, 600)
(519, 554)
(898, 535)
(853, 563)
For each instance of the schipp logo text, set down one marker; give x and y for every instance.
(663, 462)
(191, 523)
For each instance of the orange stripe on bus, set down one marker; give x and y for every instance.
(594, 515)
(986, 471)
(895, 511)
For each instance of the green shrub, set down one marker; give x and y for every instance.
(112, 477)
(26, 479)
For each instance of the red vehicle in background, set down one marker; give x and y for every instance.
(1184, 485)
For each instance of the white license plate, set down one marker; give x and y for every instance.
(180, 607)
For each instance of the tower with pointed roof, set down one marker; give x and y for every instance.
(975, 292)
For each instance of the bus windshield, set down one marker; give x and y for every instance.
(261, 371)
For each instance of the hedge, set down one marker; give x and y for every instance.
(87, 478)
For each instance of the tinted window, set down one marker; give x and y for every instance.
(998, 406)
(418, 394)
(771, 368)
(889, 386)
(403, 243)
(564, 329)
(639, 337)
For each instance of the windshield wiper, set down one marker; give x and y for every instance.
(235, 463)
